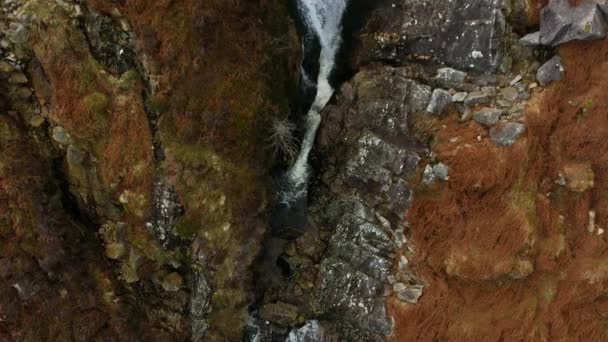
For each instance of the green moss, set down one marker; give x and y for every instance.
(129, 80)
(187, 227)
(157, 104)
(97, 103)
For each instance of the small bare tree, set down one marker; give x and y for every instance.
(282, 138)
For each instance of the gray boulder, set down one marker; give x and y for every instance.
(475, 98)
(487, 116)
(448, 76)
(551, 71)
(561, 23)
(506, 134)
(439, 100)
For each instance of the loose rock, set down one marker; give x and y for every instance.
(476, 98)
(450, 76)
(506, 134)
(509, 93)
(551, 71)
(487, 116)
(439, 100)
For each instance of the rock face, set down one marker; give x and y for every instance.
(123, 104)
(465, 34)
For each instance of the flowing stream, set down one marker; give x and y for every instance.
(323, 19)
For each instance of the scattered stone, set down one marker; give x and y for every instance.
(279, 313)
(440, 98)
(399, 287)
(60, 135)
(411, 294)
(428, 176)
(115, 251)
(441, 171)
(515, 80)
(172, 282)
(486, 79)
(391, 279)
(37, 120)
(533, 85)
(487, 116)
(503, 103)
(476, 98)
(75, 156)
(18, 33)
(450, 76)
(591, 225)
(459, 96)
(489, 91)
(509, 93)
(17, 78)
(560, 22)
(579, 176)
(551, 71)
(506, 134)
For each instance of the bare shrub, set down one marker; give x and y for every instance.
(282, 138)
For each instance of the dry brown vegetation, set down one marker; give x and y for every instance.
(504, 249)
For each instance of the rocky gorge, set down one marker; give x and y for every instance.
(454, 180)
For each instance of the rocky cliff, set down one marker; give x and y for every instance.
(456, 181)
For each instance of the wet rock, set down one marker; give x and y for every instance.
(439, 100)
(487, 116)
(476, 98)
(312, 331)
(509, 93)
(506, 134)
(448, 76)
(280, 313)
(561, 22)
(579, 177)
(551, 71)
(172, 282)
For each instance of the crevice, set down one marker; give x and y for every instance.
(112, 43)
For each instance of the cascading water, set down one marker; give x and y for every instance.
(323, 19)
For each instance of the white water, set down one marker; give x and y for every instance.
(323, 18)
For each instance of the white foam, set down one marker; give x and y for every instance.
(323, 18)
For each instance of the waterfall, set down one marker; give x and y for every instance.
(322, 18)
